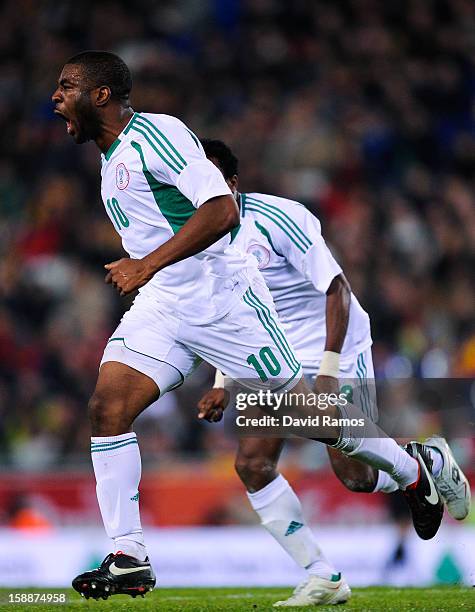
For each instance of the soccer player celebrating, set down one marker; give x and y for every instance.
(199, 298)
(319, 314)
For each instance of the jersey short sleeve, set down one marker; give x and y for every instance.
(296, 235)
(174, 156)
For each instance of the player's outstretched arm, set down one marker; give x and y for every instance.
(211, 221)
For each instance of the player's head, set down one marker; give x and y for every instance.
(91, 83)
(222, 157)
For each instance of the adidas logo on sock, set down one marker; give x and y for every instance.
(135, 497)
(293, 527)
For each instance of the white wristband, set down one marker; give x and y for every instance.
(330, 364)
(218, 380)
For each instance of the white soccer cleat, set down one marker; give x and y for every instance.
(452, 483)
(316, 591)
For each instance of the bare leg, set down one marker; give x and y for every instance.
(256, 461)
(356, 476)
(121, 394)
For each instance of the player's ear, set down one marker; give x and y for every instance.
(234, 182)
(102, 95)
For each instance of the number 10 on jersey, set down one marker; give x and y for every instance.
(119, 216)
(268, 361)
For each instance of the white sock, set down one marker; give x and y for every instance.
(280, 512)
(371, 445)
(385, 483)
(437, 460)
(117, 466)
(386, 455)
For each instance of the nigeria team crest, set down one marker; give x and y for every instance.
(121, 176)
(261, 254)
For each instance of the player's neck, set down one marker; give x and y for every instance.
(112, 127)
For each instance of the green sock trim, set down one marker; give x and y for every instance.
(335, 577)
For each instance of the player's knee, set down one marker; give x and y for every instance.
(255, 472)
(107, 415)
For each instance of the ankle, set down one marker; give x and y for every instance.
(322, 569)
(131, 547)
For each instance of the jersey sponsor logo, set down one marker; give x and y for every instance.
(122, 176)
(260, 253)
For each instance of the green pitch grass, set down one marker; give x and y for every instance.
(254, 600)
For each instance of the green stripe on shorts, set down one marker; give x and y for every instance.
(364, 392)
(277, 329)
(272, 329)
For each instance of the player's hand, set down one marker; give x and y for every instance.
(327, 384)
(126, 274)
(212, 405)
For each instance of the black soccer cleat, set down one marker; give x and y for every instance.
(118, 574)
(423, 499)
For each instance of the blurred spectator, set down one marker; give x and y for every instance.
(26, 515)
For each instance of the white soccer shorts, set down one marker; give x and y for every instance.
(248, 343)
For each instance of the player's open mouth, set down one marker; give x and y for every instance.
(69, 124)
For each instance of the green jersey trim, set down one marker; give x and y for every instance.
(263, 231)
(173, 205)
(242, 203)
(111, 149)
(148, 137)
(159, 137)
(154, 358)
(176, 161)
(197, 142)
(234, 232)
(130, 124)
(282, 227)
(162, 135)
(282, 214)
(282, 220)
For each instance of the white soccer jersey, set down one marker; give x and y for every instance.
(298, 268)
(154, 177)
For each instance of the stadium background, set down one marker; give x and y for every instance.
(362, 110)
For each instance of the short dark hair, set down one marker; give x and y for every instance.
(104, 68)
(227, 160)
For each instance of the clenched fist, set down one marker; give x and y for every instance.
(127, 275)
(212, 405)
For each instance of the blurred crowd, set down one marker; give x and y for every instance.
(362, 110)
